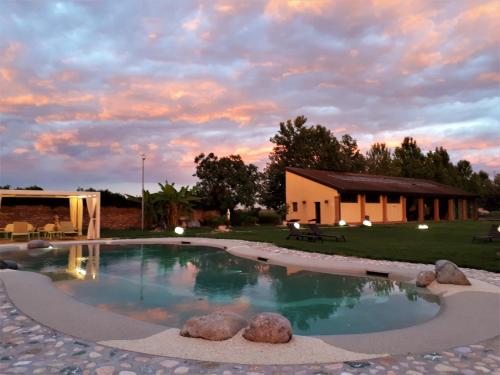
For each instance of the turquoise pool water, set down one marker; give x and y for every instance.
(168, 284)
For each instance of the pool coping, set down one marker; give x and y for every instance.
(468, 314)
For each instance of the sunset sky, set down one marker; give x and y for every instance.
(86, 87)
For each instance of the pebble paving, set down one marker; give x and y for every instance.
(27, 347)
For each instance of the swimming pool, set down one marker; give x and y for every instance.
(167, 284)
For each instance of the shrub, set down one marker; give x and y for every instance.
(244, 217)
(269, 217)
(214, 221)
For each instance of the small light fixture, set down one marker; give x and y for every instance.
(367, 223)
(296, 225)
(326, 202)
(498, 228)
(50, 247)
(423, 226)
(342, 223)
(179, 230)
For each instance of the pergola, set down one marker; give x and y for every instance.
(76, 198)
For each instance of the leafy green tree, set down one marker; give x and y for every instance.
(410, 160)
(379, 160)
(226, 182)
(439, 167)
(171, 203)
(352, 159)
(298, 145)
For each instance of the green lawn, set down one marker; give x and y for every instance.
(393, 242)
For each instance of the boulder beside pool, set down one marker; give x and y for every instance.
(38, 244)
(217, 326)
(8, 265)
(448, 273)
(269, 327)
(424, 278)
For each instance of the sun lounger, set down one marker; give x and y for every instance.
(315, 231)
(20, 229)
(297, 234)
(67, 228)
(492, 234)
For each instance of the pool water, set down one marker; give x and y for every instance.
(168, 284)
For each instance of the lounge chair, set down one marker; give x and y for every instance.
(315, 231)
(492, 234)
(48, 230)
(297, 234)
(67, 228)
(7, 231)
(20, 228)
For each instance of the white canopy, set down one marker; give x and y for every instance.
(76, 199)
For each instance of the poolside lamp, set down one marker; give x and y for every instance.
(367, 223)
(179, 230)
(296, 225)
(342, 223)
(423, 226)
(498, 228)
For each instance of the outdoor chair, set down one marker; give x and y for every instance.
(492, 234)
(297, 234)
(315, 231)
(20, 229)
(48, 230)
(7, 231)
(67, 228)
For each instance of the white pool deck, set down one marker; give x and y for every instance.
(468, 314)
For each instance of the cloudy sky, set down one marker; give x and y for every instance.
(86, 87)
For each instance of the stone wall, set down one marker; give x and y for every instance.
(111, 217)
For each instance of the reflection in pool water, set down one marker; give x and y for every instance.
(168, 284)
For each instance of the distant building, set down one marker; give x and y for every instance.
(326, 197)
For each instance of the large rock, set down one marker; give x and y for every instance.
(269, 327)
(424, 278)
(8, 265)
(448, 273)
(38, 244)
(216, 327)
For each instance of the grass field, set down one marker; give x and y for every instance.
(445, 240)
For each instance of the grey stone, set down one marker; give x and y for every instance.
(424, 278)
(217, 326)
(269, 327)
(38, 244)
(448, 273)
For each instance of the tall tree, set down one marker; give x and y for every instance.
(379, 161)
(226, 182)
(439, 168)
(298, 145)
(352, 159)
(410, 159)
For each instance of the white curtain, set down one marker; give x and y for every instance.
(91, 206)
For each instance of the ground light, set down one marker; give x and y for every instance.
(179, 230)
(296, 225)
(367, 223)
(423, 226)
(342, 223)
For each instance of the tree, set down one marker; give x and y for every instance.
(171, 203)
(352, 159)
(379, 161)
(410, 160)
(439, 168)
(226, 182)
(297, 145)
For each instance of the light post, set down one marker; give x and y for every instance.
(143, 157)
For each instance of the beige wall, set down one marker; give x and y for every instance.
(394, 212)
(375, 211)
(351, 212)
(300, 189)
